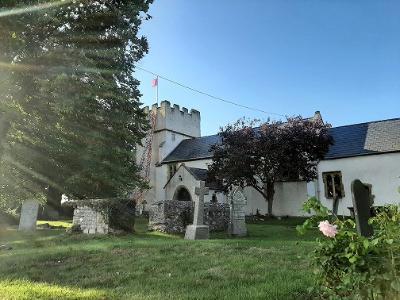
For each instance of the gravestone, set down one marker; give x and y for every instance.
(362, 201)
(29, 213)
(238, 202)
(198, 231)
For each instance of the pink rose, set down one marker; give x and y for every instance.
(327, 229)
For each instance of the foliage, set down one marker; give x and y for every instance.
(70, 116)
(121, 214)
(355, 267)
(7, 218)
(275, 151)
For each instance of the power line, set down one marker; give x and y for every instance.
(207, 94)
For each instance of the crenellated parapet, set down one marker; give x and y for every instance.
(176, 119)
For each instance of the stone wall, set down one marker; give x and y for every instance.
(89, 220)
(173, 216)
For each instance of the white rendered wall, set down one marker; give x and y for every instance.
(177, 119)
(201, 163)
(288, 200)
(382, 171)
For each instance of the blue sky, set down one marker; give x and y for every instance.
(288, 57)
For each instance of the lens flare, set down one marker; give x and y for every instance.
(32, 8)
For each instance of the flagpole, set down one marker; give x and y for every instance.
(157, 90)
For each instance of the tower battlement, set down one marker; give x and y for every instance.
(176, 119)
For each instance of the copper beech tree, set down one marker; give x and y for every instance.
(275, 151)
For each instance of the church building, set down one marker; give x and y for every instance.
(180, 157)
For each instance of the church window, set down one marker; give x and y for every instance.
(173, 137)
(172, 170)
(214, 198)
(333, 185)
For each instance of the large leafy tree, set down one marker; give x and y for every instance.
(275, 151)
(70, 115)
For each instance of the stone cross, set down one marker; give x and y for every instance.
(29, 213)
(198, 231)
(362, 200)
(198, 218)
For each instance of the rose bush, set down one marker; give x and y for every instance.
(350, 266)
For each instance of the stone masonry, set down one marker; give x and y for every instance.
(172, 216)
(89, 220)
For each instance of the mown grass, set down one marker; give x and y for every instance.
(64, 224)
(271, 263)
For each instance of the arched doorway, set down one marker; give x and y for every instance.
(182, 194)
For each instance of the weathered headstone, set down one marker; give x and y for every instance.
(29, 213)
(198, 231)
(362, 201)
(238, 202)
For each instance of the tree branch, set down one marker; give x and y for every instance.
(260, 190)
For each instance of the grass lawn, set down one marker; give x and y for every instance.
(271, 263)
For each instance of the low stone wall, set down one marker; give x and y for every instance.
(173, 216)
(89, 220)
(170, 216)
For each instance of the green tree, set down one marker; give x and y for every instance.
(70, 116)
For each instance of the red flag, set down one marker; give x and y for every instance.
(154, 82)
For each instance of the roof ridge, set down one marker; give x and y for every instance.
(355, 124)
(369, 122)
(349, 141)
(194, 168)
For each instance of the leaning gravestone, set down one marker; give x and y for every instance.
(362, 201)
(29, 213)
(238, 203)
(198, 231)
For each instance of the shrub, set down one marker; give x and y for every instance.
(8, 217)
(351, 266)
(121, 214)
(75, 228)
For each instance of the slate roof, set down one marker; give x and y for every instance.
(365, 139)
(201, 174)
(350, 140)
(198, 174)
(193, 149)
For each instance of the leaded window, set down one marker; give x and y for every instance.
(333, 185)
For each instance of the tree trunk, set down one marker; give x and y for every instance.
(53, 209)
(269, 190)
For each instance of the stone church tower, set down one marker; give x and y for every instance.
(172, 126)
